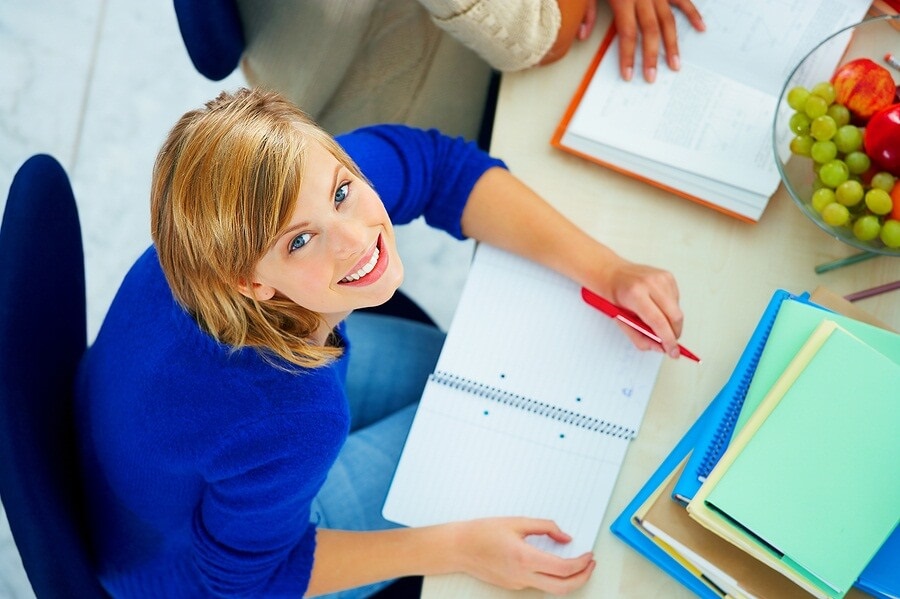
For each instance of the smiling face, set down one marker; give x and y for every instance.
(338, 251)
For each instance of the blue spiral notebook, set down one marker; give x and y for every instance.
(725, 408)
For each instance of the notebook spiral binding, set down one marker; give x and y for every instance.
(531, 405)
(747, 366)
(723, 432)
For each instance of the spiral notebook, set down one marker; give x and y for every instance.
(530, 410)
(725, 408)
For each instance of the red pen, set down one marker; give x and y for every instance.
(628, 317)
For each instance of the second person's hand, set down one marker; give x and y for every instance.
(650, 20)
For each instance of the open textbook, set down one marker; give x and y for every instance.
(705, 132)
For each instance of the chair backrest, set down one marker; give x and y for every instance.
(213, 35)
(42, 337)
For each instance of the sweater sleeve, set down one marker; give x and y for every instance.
(510, 35)
(252, 534)
(419, 173)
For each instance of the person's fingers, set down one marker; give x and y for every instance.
(664, 329)
(690, 11)
(562, 586)
(671, 310)
(655, 301)
(549, 563)
(663, 312)
(640, 341)
(648, 24)
(626, 30)
(542, 526)
(653, 22)
(590, 19)
(544, 565)
(669, 33)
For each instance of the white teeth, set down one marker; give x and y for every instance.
(364, 270)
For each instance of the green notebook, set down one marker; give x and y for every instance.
(790, 330)
(817, 483)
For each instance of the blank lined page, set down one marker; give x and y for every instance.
(524, 329)
(507, 425)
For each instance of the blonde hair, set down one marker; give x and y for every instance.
(224, 184)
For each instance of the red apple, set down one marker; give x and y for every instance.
(882, 139)
(864, 87)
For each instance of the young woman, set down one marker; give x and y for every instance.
(230, 446)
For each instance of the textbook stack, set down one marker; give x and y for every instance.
(787, 485)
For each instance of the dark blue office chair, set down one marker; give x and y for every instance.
(42, 337)
(212, 34)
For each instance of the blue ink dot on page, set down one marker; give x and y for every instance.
(502, 375)
(485, 412)
(562, 435)
(577, 399)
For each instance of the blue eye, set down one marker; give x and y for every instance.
(341, 194)
(299, 241)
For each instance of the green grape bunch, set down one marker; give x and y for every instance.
(847, 190)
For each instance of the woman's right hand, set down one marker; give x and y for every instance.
(495, 550)
(651, 293)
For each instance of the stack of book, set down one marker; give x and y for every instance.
(787, 485)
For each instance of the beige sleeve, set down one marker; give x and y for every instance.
(351, 63)
(511, 35)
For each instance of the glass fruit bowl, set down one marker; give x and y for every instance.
(878, 40)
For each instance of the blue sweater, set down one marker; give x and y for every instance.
(201, 462)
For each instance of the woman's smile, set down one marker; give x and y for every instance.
(369, 269)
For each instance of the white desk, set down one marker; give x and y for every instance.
(726, 270)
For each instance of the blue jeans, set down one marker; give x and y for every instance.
(390, 361)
